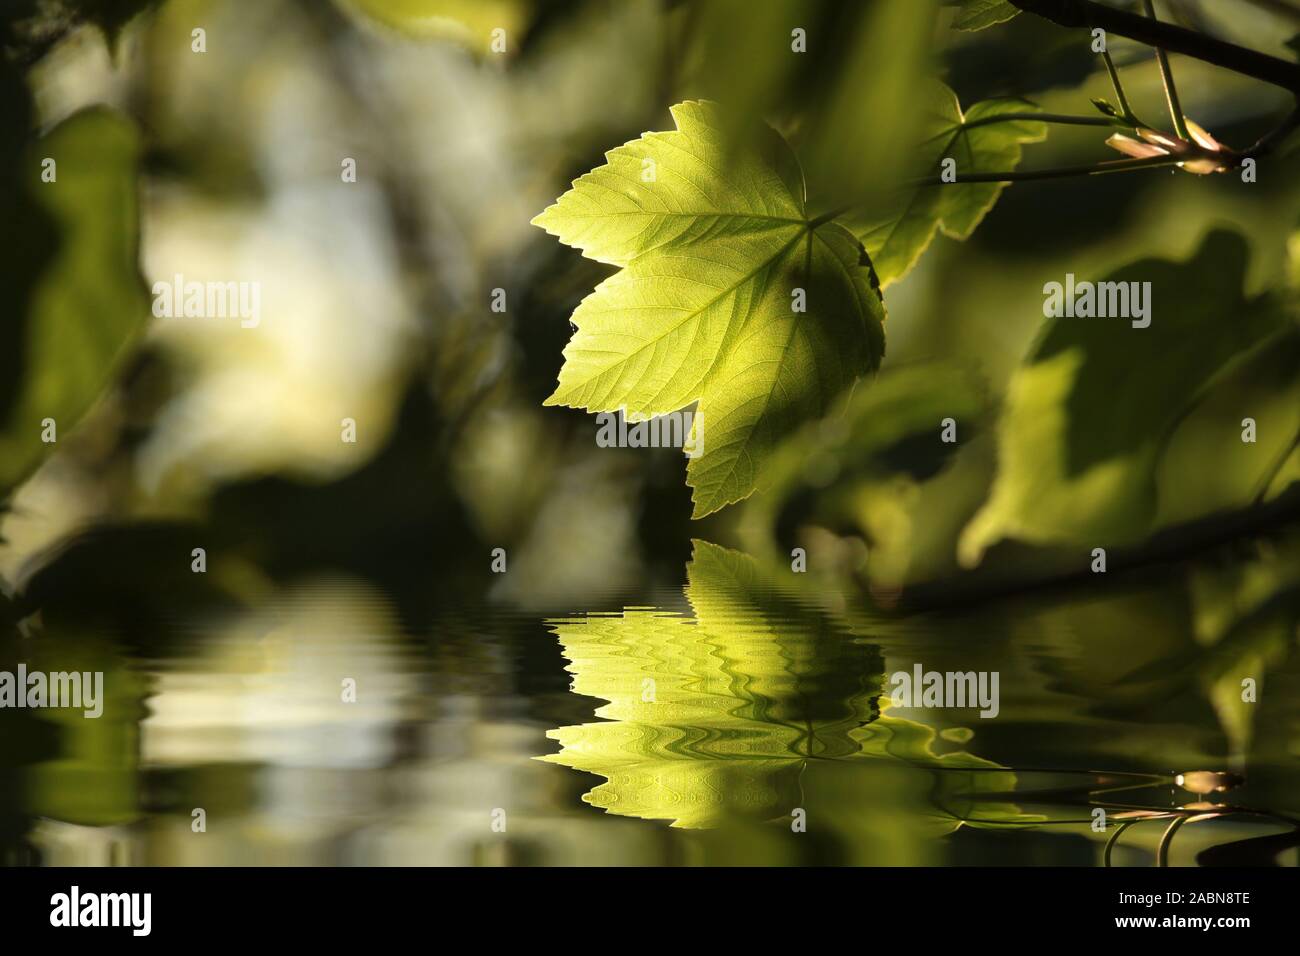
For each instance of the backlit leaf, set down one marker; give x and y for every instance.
(717, 256)
(896, 236)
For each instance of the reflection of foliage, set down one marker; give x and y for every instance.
(85, 770)
(1182, 647)
(1247, 621)
(732, 714)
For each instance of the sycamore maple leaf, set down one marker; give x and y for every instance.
(729, 296)
(984, 138)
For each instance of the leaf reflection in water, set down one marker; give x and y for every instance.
(756, 707)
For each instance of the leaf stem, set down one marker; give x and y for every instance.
(1167, 77)
(1124, 108)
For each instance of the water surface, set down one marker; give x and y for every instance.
(744, 717)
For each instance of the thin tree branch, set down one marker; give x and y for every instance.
(1169, 37)
(1060, 172)
(1271, 140)
(1061, 119)
(1171, 546)
(1192, 151)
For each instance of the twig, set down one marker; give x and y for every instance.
(1060, 172)
(1060, 119)
(1271, 140)
(1169, 37)
(1168, 547)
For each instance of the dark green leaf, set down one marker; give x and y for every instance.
(1089, 411)
(80, 297)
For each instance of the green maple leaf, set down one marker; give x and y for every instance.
(715, 249)
(1088, 414)
(979, 14)
(895, 237)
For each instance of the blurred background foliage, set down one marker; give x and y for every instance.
(376, 293)
(225, 165)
